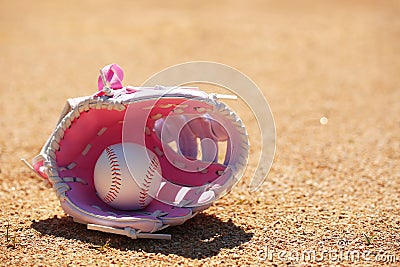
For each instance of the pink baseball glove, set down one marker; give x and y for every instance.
(201, 144)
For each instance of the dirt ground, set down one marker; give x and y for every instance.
(334, 188)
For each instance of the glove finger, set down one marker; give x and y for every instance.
(202, 127)
(169, 132)
(209, 150)
(219, 131)
(188, 142)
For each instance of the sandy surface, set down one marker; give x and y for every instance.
(333, 188)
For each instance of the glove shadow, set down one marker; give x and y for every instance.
(202, 237)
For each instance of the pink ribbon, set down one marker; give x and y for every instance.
(113, 75)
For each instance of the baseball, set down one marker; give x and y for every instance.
(127, 188)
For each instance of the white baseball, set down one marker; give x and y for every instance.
(127, 188)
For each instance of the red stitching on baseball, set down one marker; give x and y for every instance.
(115, 188)
(115, 176)
(147, 181)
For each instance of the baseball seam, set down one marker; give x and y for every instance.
(144, 193)
(115, 176)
